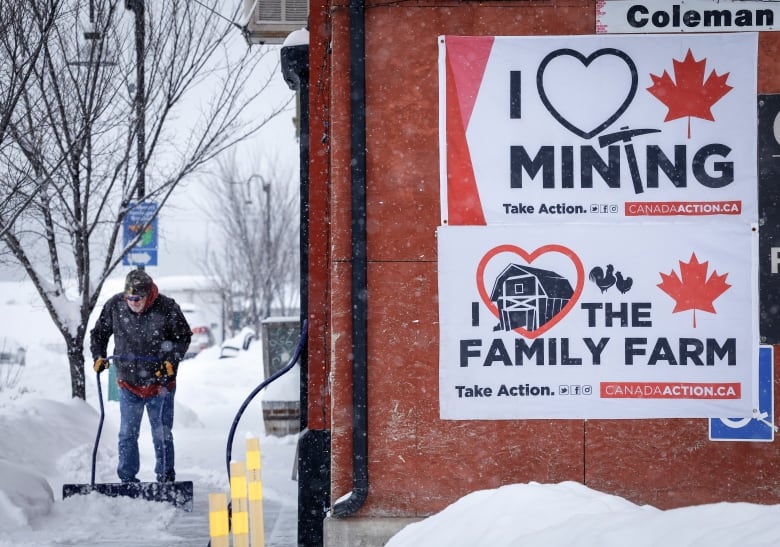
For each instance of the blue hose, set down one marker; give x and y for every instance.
(231, 434)
(258, 389)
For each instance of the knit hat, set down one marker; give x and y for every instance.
(138, 282)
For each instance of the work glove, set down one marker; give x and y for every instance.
(100, 365)
(166, 370)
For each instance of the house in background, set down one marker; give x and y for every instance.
(204, 294)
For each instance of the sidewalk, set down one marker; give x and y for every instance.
(192, 529)
(283, 526)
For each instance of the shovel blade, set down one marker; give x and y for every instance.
(177, 493)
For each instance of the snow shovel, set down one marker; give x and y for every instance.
(178, 493)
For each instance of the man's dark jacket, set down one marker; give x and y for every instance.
(142, 342)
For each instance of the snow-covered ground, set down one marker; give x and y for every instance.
(46, 440)
(571, 515)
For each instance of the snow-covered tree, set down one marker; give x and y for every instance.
(256, 213)
(126, 99)
(24, 28)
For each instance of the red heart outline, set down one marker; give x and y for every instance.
(529, 258)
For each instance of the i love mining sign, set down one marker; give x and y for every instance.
(598, 246)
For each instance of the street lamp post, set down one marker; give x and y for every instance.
(137, 7)
(267, 250)
(267, 247)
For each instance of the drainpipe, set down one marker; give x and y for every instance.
(357, 70)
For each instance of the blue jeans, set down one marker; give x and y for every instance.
(160, 412)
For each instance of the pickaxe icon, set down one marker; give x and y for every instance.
(625, 135)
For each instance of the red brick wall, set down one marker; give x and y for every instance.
(418, 463)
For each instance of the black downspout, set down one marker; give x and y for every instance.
(295, 71)
(313, 445)
(357, 69)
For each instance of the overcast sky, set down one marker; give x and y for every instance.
(183, 226)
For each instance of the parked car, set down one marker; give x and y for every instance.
(241, 341)
(202, 336)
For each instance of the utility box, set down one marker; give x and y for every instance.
(281, 399)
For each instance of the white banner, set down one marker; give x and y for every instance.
(598, 128)
(624, 16)
(597, 321)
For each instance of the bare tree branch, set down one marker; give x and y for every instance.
(256, 215)
(69, 164)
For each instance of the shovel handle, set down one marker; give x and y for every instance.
(100, 426)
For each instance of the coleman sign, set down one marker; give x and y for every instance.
(598, 247)
(624, 16)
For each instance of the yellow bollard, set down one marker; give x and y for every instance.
(219, 528)
(255, 484)
(238, 498)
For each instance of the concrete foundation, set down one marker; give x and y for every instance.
(362, 532)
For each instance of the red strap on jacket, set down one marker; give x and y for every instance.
(145, 392)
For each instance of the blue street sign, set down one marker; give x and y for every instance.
(759, 427)
(140, 219)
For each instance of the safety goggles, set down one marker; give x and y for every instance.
(134, 298)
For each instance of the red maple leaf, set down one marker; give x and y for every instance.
(694, 291)
(690, 95)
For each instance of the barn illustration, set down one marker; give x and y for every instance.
(528, 297)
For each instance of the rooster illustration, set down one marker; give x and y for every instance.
(603, 280)
(623, 284)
